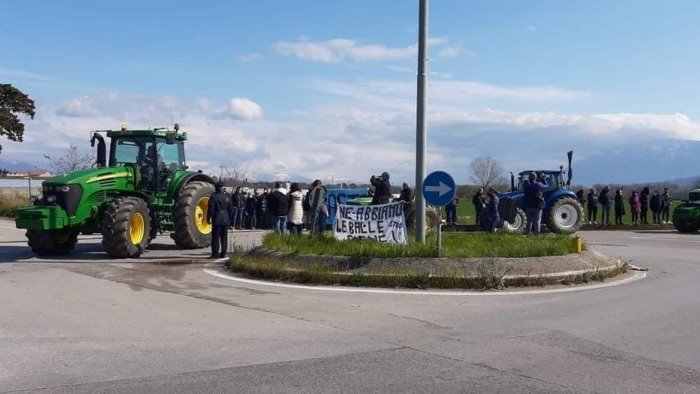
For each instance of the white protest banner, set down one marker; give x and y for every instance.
(384, 223)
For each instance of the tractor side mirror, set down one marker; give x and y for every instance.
(170, 137)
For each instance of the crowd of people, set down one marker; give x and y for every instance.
(292, 210)
(282, 209)
(640, 203)
(286, 209)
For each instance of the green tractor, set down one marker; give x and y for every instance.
(143, 190)
(686, 217)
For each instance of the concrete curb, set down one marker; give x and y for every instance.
(546, 266)
(432, 272)
(222, 273)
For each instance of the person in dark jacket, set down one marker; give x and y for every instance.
(581, 197)
(406, 193)
(644, 200)
(492, 209)
(219, 216)
(666, 210)
(656, 207)
(451, 211)
(382, 189)
(479, 204)
(278, 204)
(619, 206)
(261, 210)
(605, 201)
(250, 210)
(318, 201)
(534, 189)
(406, 197)
(236, 212)
(592, 201)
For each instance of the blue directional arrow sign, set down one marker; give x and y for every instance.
(439, 188)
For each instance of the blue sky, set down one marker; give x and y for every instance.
(337, 78)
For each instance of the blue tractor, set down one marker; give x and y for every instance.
(562, 212)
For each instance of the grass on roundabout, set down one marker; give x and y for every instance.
(453, 245)
(488, 274)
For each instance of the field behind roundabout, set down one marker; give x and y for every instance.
(468, 261)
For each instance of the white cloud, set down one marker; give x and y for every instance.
(78, 107)
(244, 109)
(449, 91)
(451, 51)
(367, 127)
(249, 57)
(340, 49)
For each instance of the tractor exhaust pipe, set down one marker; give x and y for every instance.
(512, 182)
(101, 160)
(569, 174)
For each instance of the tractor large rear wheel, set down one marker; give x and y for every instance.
(52, 242)
(190, 216)
(565, 216)
(125, 227)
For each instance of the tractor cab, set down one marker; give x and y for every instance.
(155, 155)
(555, 180)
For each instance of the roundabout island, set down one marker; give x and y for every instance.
(477, 261)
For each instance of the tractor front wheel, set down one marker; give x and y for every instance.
(518, 224)
(126, 227)
(190, 216)
(431, 218)
(683, 227)
(565, 216)
(52, 242)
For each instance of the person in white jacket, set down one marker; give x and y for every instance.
(295, 217)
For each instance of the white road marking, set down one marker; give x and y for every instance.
(666, 239)
(637, 276)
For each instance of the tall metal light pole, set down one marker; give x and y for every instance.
(421, 124)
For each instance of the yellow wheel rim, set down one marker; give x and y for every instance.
(137, 228)
(200, 216)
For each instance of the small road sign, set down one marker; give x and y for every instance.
(439, 188)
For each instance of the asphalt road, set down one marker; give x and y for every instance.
(94, 325)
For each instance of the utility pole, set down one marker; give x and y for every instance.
(421, 124)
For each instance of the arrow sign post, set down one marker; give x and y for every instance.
(439, 189)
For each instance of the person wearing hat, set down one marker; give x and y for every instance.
(219, 211)
(382, 189)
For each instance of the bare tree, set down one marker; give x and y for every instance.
(485, 171)
(72, 159)
(233, 176)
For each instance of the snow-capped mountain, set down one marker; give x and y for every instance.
(650, 161)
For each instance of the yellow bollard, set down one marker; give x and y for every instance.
(578, 244)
